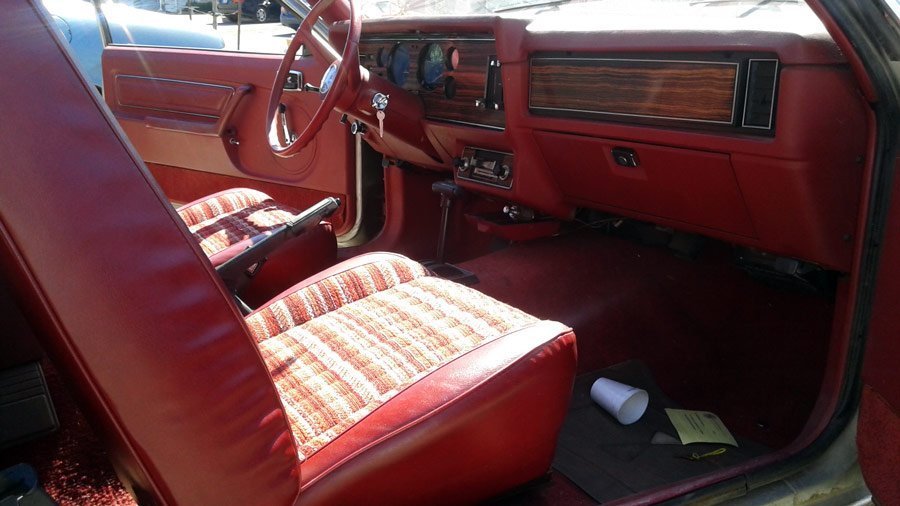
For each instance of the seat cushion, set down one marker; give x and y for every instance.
(227, 222)
(343, 346)
(343, 284)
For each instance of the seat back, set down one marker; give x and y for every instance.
(125, 302)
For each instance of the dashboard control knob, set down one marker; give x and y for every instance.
(518, 213)
(501, 172)
(357, 127)
(461, 163)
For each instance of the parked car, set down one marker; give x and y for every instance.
(261, 11)
(77, 22)
(289, 19)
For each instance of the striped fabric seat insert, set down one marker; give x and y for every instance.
(331, 293)
(335, 369)
(231, 217)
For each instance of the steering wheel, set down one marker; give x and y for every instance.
(341, 76)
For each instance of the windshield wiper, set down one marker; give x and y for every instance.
(519, 7)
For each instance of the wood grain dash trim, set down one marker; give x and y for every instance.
(702, 91)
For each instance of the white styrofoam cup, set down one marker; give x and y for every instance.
(626, 403)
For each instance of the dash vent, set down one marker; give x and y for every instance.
(759, 102)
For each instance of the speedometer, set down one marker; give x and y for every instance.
(431, 66)
(398, 68)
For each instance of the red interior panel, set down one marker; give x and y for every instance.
(691, 186)
(878, 439)
(878, 436)
(163, 125)
(171, 96)
(793, 191)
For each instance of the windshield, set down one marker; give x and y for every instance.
(530, 8)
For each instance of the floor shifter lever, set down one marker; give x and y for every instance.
(449, 191)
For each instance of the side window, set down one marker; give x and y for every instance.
(264, 26)
(255, 26)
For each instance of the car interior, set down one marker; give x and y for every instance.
(393, 273)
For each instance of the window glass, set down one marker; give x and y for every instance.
(192, 24)
(532, 8)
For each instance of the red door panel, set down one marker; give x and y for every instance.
(878, 436)
(199, 117)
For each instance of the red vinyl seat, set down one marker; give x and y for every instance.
(371, 382)
(389, 375)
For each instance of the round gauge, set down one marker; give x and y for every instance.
(431, 66)
(383, 57)
(453, 58)
(398, 68)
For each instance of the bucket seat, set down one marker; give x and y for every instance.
(372, 382)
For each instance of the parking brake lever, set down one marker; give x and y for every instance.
(237, 271)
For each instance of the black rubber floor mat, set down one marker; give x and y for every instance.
(609, 460)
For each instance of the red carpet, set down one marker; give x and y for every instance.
(72, 465)
(714, 338)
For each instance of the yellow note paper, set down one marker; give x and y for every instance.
(699, 427)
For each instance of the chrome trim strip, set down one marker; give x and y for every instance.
(196, 83)
(179, 81)
(602, 113)
(489, 150)
(423, 38)
(734, 97)
(747, 94)
(467, 123)
(485, 183)
(173, 111)
(735, 64)
(347, 239)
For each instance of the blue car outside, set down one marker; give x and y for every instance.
(289, 19)
(261, 11)
(78, 25)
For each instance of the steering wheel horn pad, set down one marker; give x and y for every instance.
(328, 77)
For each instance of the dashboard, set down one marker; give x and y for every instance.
(754, 136)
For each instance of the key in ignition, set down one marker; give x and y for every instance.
(380, 103)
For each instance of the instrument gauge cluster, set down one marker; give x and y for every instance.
(433, 63)
(449, 73)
